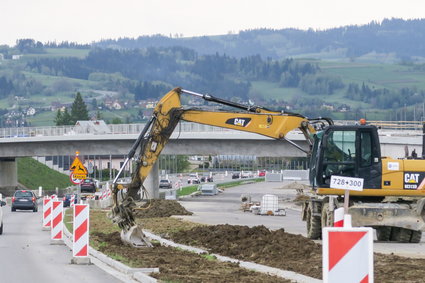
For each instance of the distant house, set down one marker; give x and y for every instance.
(91, 127)
(55, 106)
(16, 57)
(117, 105)
(327, 106)
(30, 111)
(344, 108)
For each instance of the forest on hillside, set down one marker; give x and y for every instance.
(230, 66)
(405, 38)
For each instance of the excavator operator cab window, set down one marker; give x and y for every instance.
(365, 149)
(339, 154)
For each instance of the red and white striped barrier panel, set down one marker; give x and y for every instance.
(339, 217)
(80, 247)
(104, 194)
(47, 213)
(347, 255)
(57, 221)
(72, 201)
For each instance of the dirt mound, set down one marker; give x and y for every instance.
(296, 186)
(258, 244)
(178, 266)
(161, 208)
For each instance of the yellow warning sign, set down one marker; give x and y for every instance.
(78, 168)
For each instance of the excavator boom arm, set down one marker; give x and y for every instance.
(166, 115)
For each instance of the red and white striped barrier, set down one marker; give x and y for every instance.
(347, 255)
(80, 247)
(47, 213)
(104, 194)
(72, 201)
(57, 222)
(339, 217)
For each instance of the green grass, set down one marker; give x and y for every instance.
(42, 119)
(209, 257)
(187, 191)
(391, 76)
(33, 174)
(61, 52)
(67, 220)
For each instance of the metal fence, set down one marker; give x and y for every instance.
(134, 129)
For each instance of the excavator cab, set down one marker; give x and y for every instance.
(351, 151)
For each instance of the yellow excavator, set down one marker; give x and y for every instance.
(392, 200)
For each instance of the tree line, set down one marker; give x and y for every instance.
(384, 98)
(226, 75)
(405, 38)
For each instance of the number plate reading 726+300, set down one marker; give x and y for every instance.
(346, 183)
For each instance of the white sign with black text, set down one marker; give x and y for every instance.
(346, 183)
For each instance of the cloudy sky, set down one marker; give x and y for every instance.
(85, 21)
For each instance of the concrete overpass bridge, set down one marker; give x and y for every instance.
(187, 139)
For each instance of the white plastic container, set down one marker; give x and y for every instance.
(269, 205)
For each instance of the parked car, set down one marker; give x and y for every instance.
(236, 175)
(2, 203)
(208, 189)
(88, 186)
(262, 173)
(165, 184)
(24, 199)
(193, 179)
(246, 174)
(67, 200)
(206, 177)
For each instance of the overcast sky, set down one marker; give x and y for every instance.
(85, 21)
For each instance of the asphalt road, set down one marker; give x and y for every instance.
(26, 254)
(224, 208)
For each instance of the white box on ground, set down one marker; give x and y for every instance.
(270, 206)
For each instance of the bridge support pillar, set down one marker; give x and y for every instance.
(152, 182)
(8, 176)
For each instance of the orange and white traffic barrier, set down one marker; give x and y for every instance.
(347, 255)
(339, 217)
(80, 247)
(57, 223)
(47, 213)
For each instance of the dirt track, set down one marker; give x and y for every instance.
(257, 244)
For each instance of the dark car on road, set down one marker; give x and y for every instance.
(236, 175)
(207, 178)
(24, 199)
(67, 200)
(88, 186)
(165, 184)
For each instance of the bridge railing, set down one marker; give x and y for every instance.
(134, 129)
(114, 129)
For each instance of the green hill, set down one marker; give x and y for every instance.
(33, 174)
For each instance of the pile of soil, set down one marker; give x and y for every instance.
(179, 266)
(257, 244)
(160, 208)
